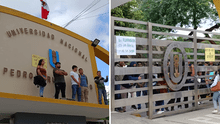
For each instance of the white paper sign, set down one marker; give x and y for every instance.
(125, 45)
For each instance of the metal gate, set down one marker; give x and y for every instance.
(157, 53)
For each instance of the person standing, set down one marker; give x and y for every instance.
(192, 74)
(75, 83)
(43, 73)
(129, 86)
(141, 85)
(59, 80)
(99, 80)
(216, 95)
(118, 86)
(160, 91)
(84, 86)
(201, 82)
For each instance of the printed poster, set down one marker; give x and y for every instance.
(209, 54)
(35, 60)
(125, 45)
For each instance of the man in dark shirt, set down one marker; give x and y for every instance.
(99, 80)
(59, 80)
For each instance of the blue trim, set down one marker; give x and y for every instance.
(51, 58)
(57, 54)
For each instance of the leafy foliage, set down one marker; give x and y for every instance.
(189, 13)
(129, 10)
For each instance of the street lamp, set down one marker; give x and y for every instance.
(95, 42)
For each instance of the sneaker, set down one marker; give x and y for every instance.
(215, 111)
(63, 98)
(147, 113)
(133, 106)
(121, 111)
(160, 112)
(167, 109)
(180, 106)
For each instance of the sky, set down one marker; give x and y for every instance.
(94, 24)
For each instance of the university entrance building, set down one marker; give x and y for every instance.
(25, 40)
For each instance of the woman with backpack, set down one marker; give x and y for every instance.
(41, 71)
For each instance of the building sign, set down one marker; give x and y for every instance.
(31, 31)
(53, 57)
(209, 54)
(35, 60)
(174, 72)
(125, 45)
(19, 31)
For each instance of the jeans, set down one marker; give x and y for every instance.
(102, 91)
(60, 87)
(216, 97)
(41, 91)
(117, 96)
(158, 103)
(76, 89)
(138, 93)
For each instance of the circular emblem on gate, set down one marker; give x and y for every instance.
(174, 72)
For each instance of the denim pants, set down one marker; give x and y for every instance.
(138, 93)
(216, 98)
(117, 96)
(158, 103)
(102, 91)
(76, 89)
(41, 91)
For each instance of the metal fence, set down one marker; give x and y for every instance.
(151, 50)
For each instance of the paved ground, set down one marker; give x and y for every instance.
(201, 116)
(121, 118)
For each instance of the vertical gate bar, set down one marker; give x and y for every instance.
(195, 68)
(150, 74)
(112, 69)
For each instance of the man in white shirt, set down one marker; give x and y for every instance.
(75, 83)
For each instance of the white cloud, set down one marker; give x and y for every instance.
(85, 27)
(63, 11)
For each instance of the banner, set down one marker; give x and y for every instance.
(125, 45)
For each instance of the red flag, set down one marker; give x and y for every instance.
(44, 9)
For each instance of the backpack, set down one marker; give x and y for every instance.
(38, 80)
